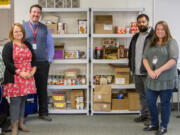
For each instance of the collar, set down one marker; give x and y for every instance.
(147, 32)
(33, 23)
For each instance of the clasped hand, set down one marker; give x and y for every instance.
(26, 75)
(154, 74)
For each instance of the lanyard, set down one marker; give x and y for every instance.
(34, 33)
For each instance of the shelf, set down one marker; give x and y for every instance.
(118, 9)
(67, 111)
(69, 35)
(104, 61)
(70, 61)
(115, 86)
(112, 35)
(57, 87)
(115, 112)
(65, 10)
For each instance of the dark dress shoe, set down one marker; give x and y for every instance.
(161, 131)
(147, 122)
(151, 128)
(45, 117)
(140, 119)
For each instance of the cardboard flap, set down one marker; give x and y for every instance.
(105, 19)
(104, 89)
(121, 69)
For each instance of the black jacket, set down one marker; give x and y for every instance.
(132, 53)
(7, 55)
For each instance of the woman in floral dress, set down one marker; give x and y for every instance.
(19, 60)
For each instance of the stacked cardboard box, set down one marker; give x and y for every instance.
(102, 98)
(73, 96)
(130, 101)
(133, 99)
(120, 104)
(122, 75)
(52, 28)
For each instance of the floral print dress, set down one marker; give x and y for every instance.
(21, 87)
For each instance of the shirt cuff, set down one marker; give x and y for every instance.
(17, 71)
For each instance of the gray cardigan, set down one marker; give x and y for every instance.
(169, 78)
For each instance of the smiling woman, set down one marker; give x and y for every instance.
(160, 60)
(19, 60)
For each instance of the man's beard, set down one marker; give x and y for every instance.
(143, 29)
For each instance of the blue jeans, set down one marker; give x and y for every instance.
(165, 97)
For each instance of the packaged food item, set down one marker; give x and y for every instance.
(72, 54)
(98, 52)
(134, 24)
(59, 105)
(83, 81)
(126, 53)
(71, 73)
(121, 51)
(109, 79)
(103, 80)
(80, 103)
(58, 96)
(120, 30)
(82, 26)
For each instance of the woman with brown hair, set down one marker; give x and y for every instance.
(19, 60)
(160, 60)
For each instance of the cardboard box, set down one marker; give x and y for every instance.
(73, 95)
(133, 99)
(52, 28)
(103, 24)
(120, 104)
(103, 89)
(102, 98)
(122, 75)
(102, 106)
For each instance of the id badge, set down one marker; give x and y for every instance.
(155, 60)
(34, 46)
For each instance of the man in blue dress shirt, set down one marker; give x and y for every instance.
(43, 45)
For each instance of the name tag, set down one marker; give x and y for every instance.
(34, 46)
(155, 60)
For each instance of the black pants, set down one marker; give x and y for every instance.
(41, 77)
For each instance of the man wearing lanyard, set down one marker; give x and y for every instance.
(41, 40)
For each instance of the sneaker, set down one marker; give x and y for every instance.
(161, 131)
(140, 119)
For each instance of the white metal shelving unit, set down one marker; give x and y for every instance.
(69, 36)
(94, 62)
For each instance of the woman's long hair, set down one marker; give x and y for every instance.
(167, 36)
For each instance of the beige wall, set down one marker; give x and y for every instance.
(22, 6)
(21, 9)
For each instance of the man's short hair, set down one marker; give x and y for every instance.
(143, 15)
(36, 5)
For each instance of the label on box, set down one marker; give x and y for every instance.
(107, 27)
(105, 106)
(99, 97)
(120, 81)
